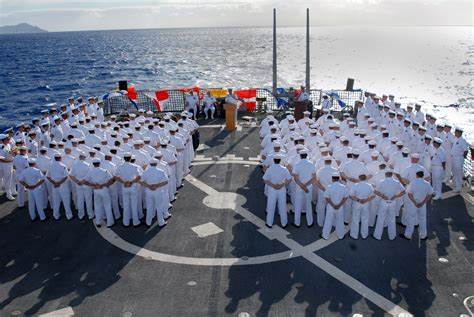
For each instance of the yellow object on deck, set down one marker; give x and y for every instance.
(218, 93)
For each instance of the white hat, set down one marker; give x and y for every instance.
(458, 128)
(158, 154)
(415, 156)
(3, 136)
(96, 161)
(438, 140)
(31, 160)
(399, 143)
(406, 150)
(303, 151)
(355, 152)
(164, 141)
(374, 154)
(153, 161)
(57, 155)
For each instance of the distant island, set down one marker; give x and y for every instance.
(20, 28)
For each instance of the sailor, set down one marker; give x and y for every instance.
(303, 96)
(155, 180)
(20, 163)
(304, 174)
(6, 166)
(322, 181)
(170, 157)
(99, 179)
(419, 193)
(389, 190)
(32, 179)
(438, 166)
(326, 103)
(128, 174)
(277, 177)
(361, 194)
(110, 167)
(459, 152)
(209, 105)
(419, 115)
(336, 195)
(191, 104)
(57, 175)
(56, 130)
(178, 143)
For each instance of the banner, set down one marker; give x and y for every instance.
(162, 97)
(218, 93)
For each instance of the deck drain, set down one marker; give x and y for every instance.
(246, 148)
(245, 258)
(244, 314)
(212, 176)
(443, 260)
(357, 315)
(455, 295)
(192, 283)
(462, 238)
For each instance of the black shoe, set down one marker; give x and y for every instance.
(111, 226)
(33, 220)
(98, 226)
(295, 225)
(309, 226)
(168, 217)
(148, 226)
(136, 226)
(268, 226)
(125, 226)
(321, 236)
(163, 225)
(401, 235)
(423, 239)
(57, 219)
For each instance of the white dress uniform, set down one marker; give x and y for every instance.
(128, 172)
(419, 188)
(305, 171)
(457, 153)
(31, 176)
(277, 174)
(157, 201)
(79, 170)
(170, 158)
(387, 211)
(6, 170)
(113, 189)
(437, 171)
(102, 203)
(20, 162)
(191, 104)
(209, 106)
(58, 171)
(336, 192)
(324, 176)
(360, 212)
(178, 142)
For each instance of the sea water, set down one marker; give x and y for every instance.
(431, 65)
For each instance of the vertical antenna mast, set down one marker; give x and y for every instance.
(307, 52)
(274, 54)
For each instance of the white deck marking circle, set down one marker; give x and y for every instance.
(277, 233)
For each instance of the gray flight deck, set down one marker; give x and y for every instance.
(235, 266)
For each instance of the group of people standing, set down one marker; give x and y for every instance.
(366, 171)
(126, 167)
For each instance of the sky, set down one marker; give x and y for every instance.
(74, 15)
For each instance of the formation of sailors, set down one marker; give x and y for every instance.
(109, 168)
(366, 171)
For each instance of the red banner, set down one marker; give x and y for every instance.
(249, 96)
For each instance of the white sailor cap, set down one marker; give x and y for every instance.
(335, 174)
(146, 139)
(153, 161)
(57, 155)
(325, 110)
(141, 110)
(415, 155)
(440, 124)
(137, 142)
(372, 142)
(290, 117)
(343, 138)
(393, 139)
(127, 154)
(56, 118)
(164, 141)
(306, 113)
(31, 160)
(23, 148)
(406, 150)
(428, 137)
(355, 152)
(458, 128)
(149, 112)
(407, 119)
(325, 149)
(276, 144)
(399, 143)
(96, 160)
(410, 106)
(313, 131)
(44, 123)
(438, 140)
(383, 126)
(132, 115)
(3, 137)
(43, 149)
(303, 151)
(44, 111)
(374, 125)
(374, 154)
(277, 156)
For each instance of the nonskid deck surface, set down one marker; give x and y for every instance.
(215, 257)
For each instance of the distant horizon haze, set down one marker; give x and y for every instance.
(97, 15)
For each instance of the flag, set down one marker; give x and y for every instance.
(154, 100)
(122, 93)
(335, 96)
(162, 97)
(249, 97)
(218, 92)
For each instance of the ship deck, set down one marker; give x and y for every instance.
(216, 257)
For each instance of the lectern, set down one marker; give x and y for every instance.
(230, 116)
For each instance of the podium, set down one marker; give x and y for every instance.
(230, 116)
(300, 107)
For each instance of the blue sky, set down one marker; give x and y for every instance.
(64, 15)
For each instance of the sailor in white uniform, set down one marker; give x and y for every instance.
(323, 180)
(57, 175)
(389, 190)
(277, 177)
(304, 174)
(209, 105)
(100, 179)
(6, 166)
(32, 179)
(79, 171)
(20, 163)
(336, 195)
(459, 152)
(191, 104)
(438, 166)
(155, 180)
(361, 194)
(419, 193)
(128, 174)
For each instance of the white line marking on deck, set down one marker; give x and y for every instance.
(64, 312)
(278, 233)
(206, 230)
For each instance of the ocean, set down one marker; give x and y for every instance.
(431, 65)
